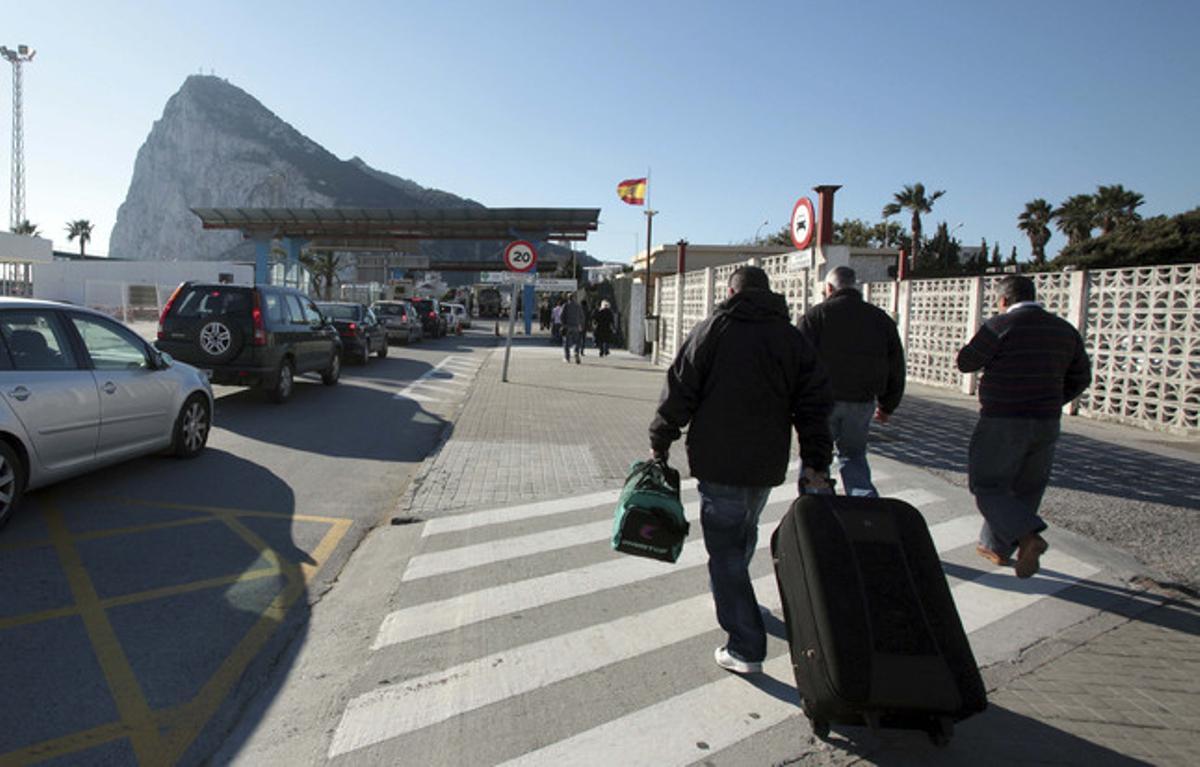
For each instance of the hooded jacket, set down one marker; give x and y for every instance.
(743, 379)
(860, 347)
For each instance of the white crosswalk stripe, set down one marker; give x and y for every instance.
(443, 381)
(666, 732)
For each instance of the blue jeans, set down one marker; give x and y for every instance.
(571, 338)
(850, 422)
(1008, 468)
(729, 517)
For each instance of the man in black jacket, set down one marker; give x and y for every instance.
(1033, 363)
(860, 347)
(742, 380)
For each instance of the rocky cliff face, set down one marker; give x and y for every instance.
(218, 147)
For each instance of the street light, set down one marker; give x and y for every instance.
(759, 229)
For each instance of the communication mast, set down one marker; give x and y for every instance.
(16, 212)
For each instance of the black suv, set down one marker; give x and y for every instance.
(430, 312)
(250, 336)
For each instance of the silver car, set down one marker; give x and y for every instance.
(80, 391)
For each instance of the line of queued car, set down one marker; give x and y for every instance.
(80, 390)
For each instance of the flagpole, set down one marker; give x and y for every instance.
(650, 213)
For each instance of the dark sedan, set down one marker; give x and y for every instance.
(362, 333)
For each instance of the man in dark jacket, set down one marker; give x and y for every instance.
(742, 380)
(572, 323)
(1033, 363)
(860, 347)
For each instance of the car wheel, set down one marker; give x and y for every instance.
(365, 357)
(219, 341)
(330, 375)
(383, 350)
(191, 427)
(285, 381)
(12, 481)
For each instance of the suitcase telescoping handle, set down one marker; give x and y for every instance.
(806, 489)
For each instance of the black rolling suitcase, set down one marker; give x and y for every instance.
(874, 634)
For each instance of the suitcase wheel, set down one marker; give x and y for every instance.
(941, 730)
(820, 727)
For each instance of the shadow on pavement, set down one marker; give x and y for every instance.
(932, 435)
(1100, 596)
(182, 588)
(354, 419)
(998, 736)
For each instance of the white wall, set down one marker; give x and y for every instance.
(20, 247)
(68, 280)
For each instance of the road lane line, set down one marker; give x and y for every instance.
(916, 496)
(431, 618)
(415, 703)
(724, 713)
(466, 521)
(998, 594)
(122, 682)
(719, 714)
(502, 549)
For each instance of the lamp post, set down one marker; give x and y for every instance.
(759, 229)
(21, 56)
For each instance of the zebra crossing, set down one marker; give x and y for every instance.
(467, 655)
(446, 381)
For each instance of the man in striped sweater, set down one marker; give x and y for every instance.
(1033, 363)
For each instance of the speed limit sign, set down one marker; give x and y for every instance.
(520, 256)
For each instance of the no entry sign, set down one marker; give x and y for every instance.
(802, 223)
(520, 256)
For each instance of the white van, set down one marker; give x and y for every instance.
(456, 314)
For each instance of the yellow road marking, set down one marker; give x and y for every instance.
(188, 720)
(76, 741)
(122, 682)
(192, 716)
(223, 511)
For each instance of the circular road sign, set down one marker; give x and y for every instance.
(520, 256)
(803, 223)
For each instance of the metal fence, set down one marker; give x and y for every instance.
(1141, 327)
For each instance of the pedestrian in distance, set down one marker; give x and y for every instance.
(604, 327)
(587, 324)
(742, 380)
(860, 347)
(572, 327)
(1033, 363)
(556, 322)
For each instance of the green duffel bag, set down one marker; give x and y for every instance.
(649, 521)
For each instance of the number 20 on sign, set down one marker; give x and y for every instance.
(520, 256)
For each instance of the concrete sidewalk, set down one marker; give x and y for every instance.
(1121, 688)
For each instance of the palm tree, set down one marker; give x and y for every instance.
(1076, 218)
(1116, 206)
(81, 229)
(913, 198)
(1035, 222)
(27, 228)
(323, 266)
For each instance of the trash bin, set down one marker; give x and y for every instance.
(651, 326)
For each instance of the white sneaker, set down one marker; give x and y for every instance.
(731, 662)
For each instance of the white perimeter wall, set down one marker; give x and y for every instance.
(68, 280)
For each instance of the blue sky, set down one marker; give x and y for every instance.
(738, 109)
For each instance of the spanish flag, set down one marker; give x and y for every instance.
(632, 191)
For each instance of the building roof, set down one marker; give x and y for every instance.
(347, 225)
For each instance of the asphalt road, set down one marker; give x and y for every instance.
(144, 604)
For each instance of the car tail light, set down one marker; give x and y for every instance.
(432, 316)
(260, 332)
(353, 327)
(167, 308)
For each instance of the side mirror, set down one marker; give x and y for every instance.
(162, 360)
